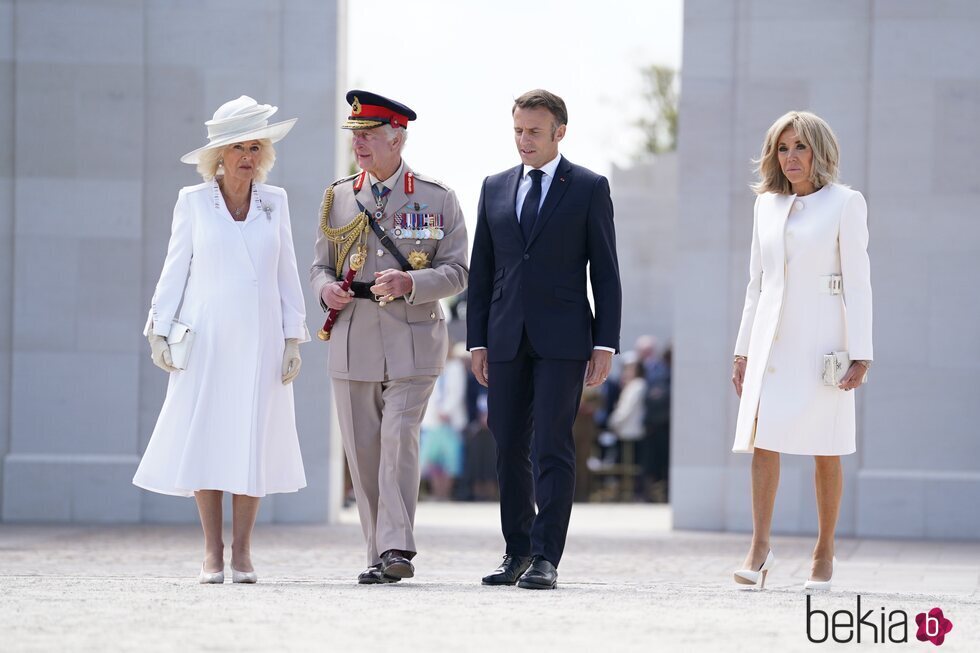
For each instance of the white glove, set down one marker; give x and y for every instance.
(160, 353)
(291, 361)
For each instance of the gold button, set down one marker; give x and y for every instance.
(432, 316)
(772, 370)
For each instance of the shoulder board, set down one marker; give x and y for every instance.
(343, 179)
(430, 180)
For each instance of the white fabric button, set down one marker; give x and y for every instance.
(772, 370)
(798, 205)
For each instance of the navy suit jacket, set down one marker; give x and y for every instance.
(540, 285)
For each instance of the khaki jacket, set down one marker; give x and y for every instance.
(407, 337)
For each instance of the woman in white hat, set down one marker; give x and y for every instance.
(227, 424)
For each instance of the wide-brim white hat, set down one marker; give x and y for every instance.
(240, 120)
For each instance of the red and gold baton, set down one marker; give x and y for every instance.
(356, 263)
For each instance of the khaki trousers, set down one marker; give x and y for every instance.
(380, 424)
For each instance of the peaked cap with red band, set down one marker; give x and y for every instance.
(369, 110)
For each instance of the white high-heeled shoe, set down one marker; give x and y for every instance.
(811, 584)
(209, 577)
(756, 577)
(243, 576)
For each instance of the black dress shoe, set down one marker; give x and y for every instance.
(542, 575)
(509, 570)
(374, 575)
(396, 563)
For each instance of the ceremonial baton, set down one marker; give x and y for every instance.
(356, 263)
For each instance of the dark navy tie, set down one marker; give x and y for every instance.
(529, 212)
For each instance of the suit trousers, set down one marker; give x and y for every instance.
(380, 424)
(531, 407)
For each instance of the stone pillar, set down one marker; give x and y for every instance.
(78, 152)
(106, 95)
(900, 84)
(7, 129)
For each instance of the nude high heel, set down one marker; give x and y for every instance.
(756, 577)
(820, 585)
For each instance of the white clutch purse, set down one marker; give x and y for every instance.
(835, 366)
(180, 340)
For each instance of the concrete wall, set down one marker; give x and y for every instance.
(645, 196)
(899, 81)
(104, 96)
(7, 129)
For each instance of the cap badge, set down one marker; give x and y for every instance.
(355, 107)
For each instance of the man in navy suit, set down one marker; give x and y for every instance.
(534, 340)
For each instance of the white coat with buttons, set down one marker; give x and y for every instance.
(228, 421)
(791, 320)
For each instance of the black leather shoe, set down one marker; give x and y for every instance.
(374, 575)
(509, 570)
(542, 575)
(396, 563)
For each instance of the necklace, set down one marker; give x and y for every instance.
(235, 211)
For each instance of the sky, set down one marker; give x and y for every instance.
(460, 65)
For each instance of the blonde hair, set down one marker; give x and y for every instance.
(816, 134)
(208, 163)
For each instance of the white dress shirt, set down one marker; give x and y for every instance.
(525, 186)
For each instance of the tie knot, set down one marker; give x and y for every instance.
(378, 188)
(536, 176)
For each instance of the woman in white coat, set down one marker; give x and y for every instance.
(227, 424)
(809, 296)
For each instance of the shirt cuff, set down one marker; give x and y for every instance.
(609, 349)
(475, 348)
(410, 298)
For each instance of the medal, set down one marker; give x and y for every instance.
(418, 259)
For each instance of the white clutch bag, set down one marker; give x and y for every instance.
(180, 340)
(835, 366)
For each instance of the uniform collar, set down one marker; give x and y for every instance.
(391, 181)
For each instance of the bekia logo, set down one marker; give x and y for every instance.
(876, 627)
(933, 626)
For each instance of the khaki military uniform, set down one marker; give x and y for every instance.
(384, 360)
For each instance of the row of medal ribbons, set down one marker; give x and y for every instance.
(427, 226)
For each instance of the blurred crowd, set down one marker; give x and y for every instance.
(622, 432)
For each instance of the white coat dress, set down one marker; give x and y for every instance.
(228, 422)
(791, 320)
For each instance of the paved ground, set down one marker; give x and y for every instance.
(627, 583)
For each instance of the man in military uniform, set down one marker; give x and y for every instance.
(406, 236)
